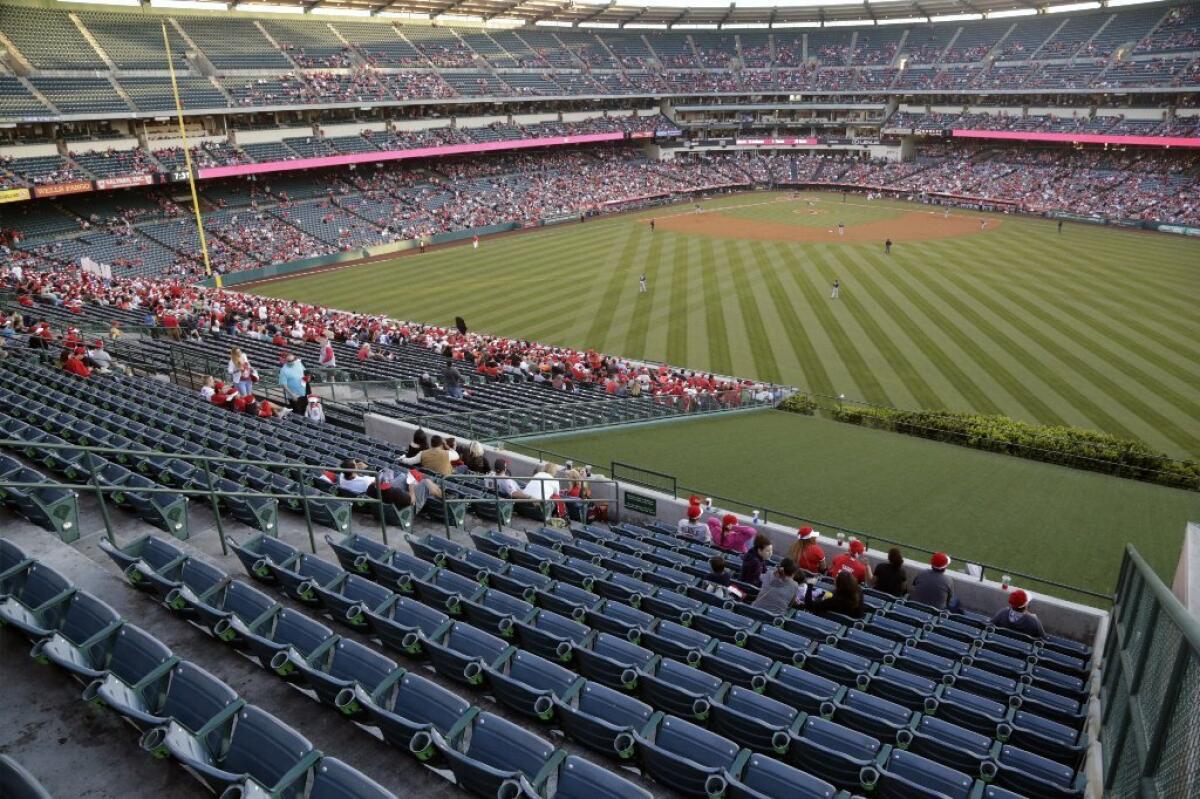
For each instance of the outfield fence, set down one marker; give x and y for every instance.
(1151, 690)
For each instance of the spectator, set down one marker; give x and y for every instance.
(70, 362)
(727, 534)
(889, 576)
(453, 380)
(717, 575)
(429, 388)
(541, 486)
(327, 359)
(99, 358)
(779, 591)
(501, 481)
(846, 598)
(209, 388)
(690, 525)
(353, 481)
(291, 380)
(234, 369)
(475, 461)
(806, 552)
(314, 411)
(436, 459)
(418, 444)
(1017, 617)
(933, 587)
(754, 562)
(854, 561)
(416, 491)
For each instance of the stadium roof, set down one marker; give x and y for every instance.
(662, 14)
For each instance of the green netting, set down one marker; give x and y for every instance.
(1151, 690)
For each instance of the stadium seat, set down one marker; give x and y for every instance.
(619, 619)
(461, 652)
(404, 625)
(904, 774)
(12, 559)
(676, 641)
(497, 612)
(293, 636)
(689, 759)
(346, 674)
(812, 626)
(353, 550)
(614, 661)
(33, 599)
(582, 779)
(972, 711)
(300, 576)
(765, 776)
(755, 721)
(84, 633)
(410, 710)
(349, 597)
(868, 714)
(19, 783)
(260, 549)
(141, 561)
(902, 687)
(801, 689)
(680, 690)
(1035, 776)
(1047, 737)
(401, 571)
(231, 598)
(260, 748)
(737, 665)
(529, 684)
(948, 744)
(551, 635)
(521, 582)
(333, 779)
(132, 657)
(779, 644)
(622, 588)
(723, 624)
(489, 753)
(836, 664)
(603, 719)
(833, 752)
(187, 695)
(447, 590)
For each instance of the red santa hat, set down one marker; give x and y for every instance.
(1018, 599)
(414, 476)
(728, 520)
(694, 511)
(807, 534)
(857, 547)
(98, 344)
(939, 561)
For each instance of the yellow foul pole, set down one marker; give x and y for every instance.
(187, 158)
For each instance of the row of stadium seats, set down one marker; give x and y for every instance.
(833, 734)
(183, 711)
(53, 40)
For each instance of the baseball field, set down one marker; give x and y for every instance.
(1090, 326)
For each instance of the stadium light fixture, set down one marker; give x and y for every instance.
(1114, 3)
(1012, 12)
(552, 23)
(189, 4)
(849, 23)
(796, 25)
(340, 12)
(901, 21)
(403, 15)
(1069, 7)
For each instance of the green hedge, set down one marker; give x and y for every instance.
(1068, 446)
(799, 403)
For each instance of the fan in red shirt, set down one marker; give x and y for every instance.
(806, 552)
(70, 362)
(854, 561)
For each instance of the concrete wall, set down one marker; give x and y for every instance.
(352, 128)
(82, 147)
(1186, 585)
(276, 134)
(1079, 622)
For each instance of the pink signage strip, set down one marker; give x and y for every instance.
(395, 155)
(1080, 138)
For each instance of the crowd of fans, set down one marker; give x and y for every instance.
(1079, 120)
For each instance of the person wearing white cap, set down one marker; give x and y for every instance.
(933, 587)
(314, 412)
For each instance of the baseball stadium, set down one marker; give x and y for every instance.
(582, 399)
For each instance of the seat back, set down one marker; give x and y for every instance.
(200, 576)
(684, 739)
(299, 631)
(472, 642)
(158, 552)
(245, 601)
(263, 747)
(620, 650)
(839, 738)
(583, 779)
(687, 678)
(770, 777)
(424, 701)
(539, 673)
(135, 654)
(39, 584)
(507, 747)
(617, 708)
(333, 779)
(86, 615)
(353, 661)
(763, 708)
(410, 613)
(195, 696)
(560, 626)
(934, 778)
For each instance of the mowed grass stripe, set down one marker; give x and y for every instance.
(731, 255)
(1105, 389)
(945, 363)
(643, 306)
(1113, 387)
(966, 340)
(1134, 345)
(816, 377)
(937, 282)
(714, 316)
(761, 342)
(818, 301)
(607, 302)
(677, 317)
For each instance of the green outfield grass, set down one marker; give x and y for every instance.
(1094, 327)
(1040, 519)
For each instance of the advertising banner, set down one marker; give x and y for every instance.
(59, 189)
(124, 181)
(1080, 138)
(395, 155)
(786, 142)
(13, 195)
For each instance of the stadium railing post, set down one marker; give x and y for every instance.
(95, 480)
(312, 541)
(382, 515)
(212, 498)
